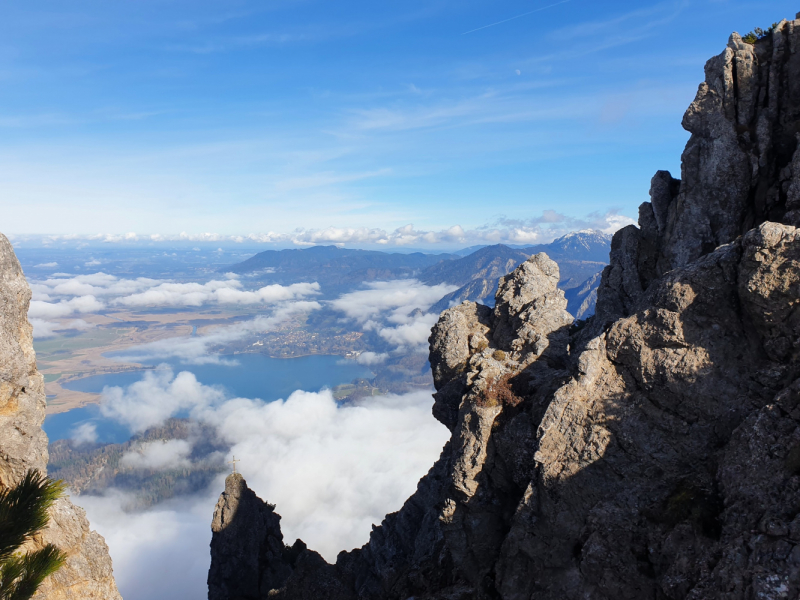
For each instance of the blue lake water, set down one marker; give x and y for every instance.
(254, 376)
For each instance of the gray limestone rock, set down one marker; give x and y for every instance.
(530, 311)
(23, 445)
(739, 168)
(460, 332)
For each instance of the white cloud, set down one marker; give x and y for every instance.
(55, 310)
(395, 300)
(60, 297)
(371, 358)
(159, 455)
(80, 293)
(158, 554)
(196, 349)
(538, 230)
(159, 395)
(85, 433)
(47, 265)
(412, 335)
(79, 324)
(217, 292)
(396, 310)
(332, 470)
(95, 284)
(44, 329)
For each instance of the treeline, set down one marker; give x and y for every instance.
(94, 468)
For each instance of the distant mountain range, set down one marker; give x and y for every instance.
(586, 244)
(589, 245)
(580, 256)
(334, 268)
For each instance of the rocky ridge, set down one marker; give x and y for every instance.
(652, 452)
(23, 445)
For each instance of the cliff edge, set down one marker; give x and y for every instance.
(87, 573)
(653, 452)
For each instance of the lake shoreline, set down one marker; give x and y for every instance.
(66, 399)
(255, 376)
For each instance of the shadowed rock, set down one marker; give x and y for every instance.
(246, 532)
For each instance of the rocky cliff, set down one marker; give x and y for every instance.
(653, 452)
(23, 445)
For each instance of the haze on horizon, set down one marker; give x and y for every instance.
(349, 122)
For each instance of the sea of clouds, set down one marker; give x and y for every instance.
(65, 296)
(536, 230)
(395, 310)
(332, 470)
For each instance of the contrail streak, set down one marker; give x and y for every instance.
(530, 12)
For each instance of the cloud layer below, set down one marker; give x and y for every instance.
(63, 297)
(332, 470)
(396, 310)
(538, 230)
(197, 349)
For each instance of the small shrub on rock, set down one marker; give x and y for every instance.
(499, 355)
(758, 34)
(500, 392)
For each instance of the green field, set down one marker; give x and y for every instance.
(66, 345)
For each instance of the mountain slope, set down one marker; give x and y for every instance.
(586, 245)
(477, 290)
(478, 273)
(581, 300)
(491, 262)
(334, 267)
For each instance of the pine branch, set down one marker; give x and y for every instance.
(31, 570)
(23, 510)
(24, 513)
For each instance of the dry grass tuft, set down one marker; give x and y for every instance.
(500, 392)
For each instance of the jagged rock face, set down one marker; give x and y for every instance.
(653, 453)
(740, 168)
(247, 532)
(530, 312)
(23, 446)
(630, 500)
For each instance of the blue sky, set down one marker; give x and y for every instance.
(242, 117)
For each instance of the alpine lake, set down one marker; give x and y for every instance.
(240, 375)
